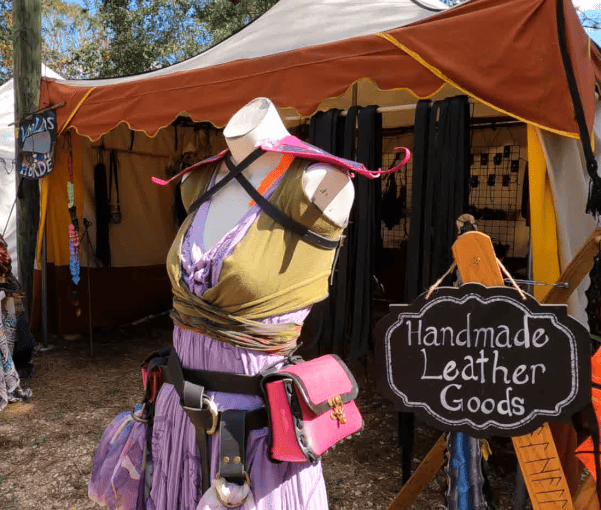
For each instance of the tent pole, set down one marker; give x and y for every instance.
(90, 249)
(44, 292)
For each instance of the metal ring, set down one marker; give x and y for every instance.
(139, 418)
(212, 406)
(221, 497)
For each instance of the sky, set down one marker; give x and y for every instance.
(593, 9)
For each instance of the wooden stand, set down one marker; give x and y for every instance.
(536, 452)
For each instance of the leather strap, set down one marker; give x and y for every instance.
(274, 213)
(232, 445)
(210, 380)
(251, 158)
(190, 396)
(191, 393)
(114, 171)
(441, 219)
(225, 382)
(420, 166)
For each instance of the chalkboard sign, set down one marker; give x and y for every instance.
(482, 360)
(36, 137)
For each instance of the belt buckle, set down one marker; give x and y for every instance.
(222, 498)
(212, 406)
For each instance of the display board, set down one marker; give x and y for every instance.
(484, 361)
(36, 139)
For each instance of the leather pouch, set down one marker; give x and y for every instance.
(311, 408)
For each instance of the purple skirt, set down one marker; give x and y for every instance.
(118, 478)
(176, 480)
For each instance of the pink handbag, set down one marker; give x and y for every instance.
(311, 408)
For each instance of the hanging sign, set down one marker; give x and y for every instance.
(36, 138)
(482, 360)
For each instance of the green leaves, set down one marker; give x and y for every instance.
(6, 40)
(111, 38)
(145, 35)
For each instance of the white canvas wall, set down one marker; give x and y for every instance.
(8, 221)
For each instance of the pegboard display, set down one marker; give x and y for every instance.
(497, 174)
(395, 227)
(496, 196)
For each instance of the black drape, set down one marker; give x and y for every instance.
(440, 195)
(343, 323)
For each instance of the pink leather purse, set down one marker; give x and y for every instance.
(311, 408)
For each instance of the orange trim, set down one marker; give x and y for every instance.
(274, 175)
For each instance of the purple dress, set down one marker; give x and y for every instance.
(176, 480)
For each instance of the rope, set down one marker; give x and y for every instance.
(515, 285)
(439, 281)
(454, 265)
(9, 215)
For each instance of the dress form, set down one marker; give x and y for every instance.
(329, 189)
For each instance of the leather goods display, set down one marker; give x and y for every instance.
(311, 408)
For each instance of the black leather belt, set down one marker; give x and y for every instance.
(233, 425)
(224, 381)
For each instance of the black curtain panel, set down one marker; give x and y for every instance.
(440, 195)
(343, 323)
(103, 215)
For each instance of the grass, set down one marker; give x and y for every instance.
(12, 504)
(115, 391)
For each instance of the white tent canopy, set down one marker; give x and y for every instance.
(8, 215)
(290, 25)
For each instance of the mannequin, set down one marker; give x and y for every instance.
(329, 189)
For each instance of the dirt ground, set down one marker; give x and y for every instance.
(47, 445)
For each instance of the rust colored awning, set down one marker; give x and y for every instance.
(503, 53)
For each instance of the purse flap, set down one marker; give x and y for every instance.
(322, 379)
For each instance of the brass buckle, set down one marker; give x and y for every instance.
(214, 414)
(338, 409)
(219, 488)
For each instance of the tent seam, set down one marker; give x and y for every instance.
(442, 76)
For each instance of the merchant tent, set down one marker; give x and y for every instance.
(8, 186)
(309, 56)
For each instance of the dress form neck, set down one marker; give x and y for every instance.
(252, 124)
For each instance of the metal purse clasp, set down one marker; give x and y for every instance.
(338, 412)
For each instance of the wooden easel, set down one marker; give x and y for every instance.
(536, 452)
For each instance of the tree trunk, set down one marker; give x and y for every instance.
(27, 56)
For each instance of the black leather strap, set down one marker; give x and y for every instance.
(232, 445)
(251, 158)
(191, 393)
(274, 213)
(114, 171)
(441, 219)
(190, 396)
(591, 162)
(416, 232)
(210, 380)
(225, 382)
